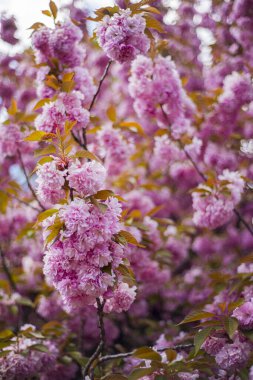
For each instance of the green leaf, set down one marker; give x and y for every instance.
(53, 8)
(6, 334)
(3, 202)
(41, 103)
(111, 113)
(67, 77)
(4, 353)
(44, 160)
(35, 136)
(132, 126)
(4, 344)
(36, 25)
(244, 374)
(78, 357)
(46, 13)
(68, 86)
(49, 149)
(69, 126)
(103, 194)
(231, 325)
(65, 360)
(85, 154)
(146, 353)
(115, 376)
(13, 109)
(29, 333)
(46, 214)
(127, 273)
(130, 238)
(140, 372)
(53, 235)
(171, 354)
(25, 301)
(52, 82)
(152, 10)
(153, 23)
(39, 347)
(135, 7)
(196, 316)
(200, 338)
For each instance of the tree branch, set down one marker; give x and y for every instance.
(131, 353)
(28, 181)
(101, 345)
(7, 271)
(21, 201)
(100, 84)
(83, 144)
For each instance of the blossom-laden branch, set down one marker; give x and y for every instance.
(204, 178)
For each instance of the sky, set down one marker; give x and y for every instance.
(27, 12)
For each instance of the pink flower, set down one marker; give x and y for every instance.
(10, 141)
(68, 106)
(86, 178)
(236, 184)
(115, 150)
(8, 29)
(50, 182)
(244, 314)
(122, 299)
(165, 151)
(212, 210)
(233, 355)
(122, 36)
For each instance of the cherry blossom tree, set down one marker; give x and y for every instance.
(126, 236)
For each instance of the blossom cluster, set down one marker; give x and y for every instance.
(122, 36)
(61, 43)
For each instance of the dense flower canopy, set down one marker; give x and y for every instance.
(126, 236)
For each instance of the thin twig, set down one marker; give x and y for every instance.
(131, 353)
(28, 181)
(202, 175)
(78, 141)
(7, 271)
(100, 84)
(101, 345)
(21, 201)
(243, 221)
(83, 144)
(100, 311)
(92, 359)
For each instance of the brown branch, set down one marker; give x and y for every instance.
(100, 84)
(101, 345)
(7, 271)
(100, 311)
(243, 221)
(131, 353)
(21, 201)
(83, 144)
(28, 181)
(78, 141)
